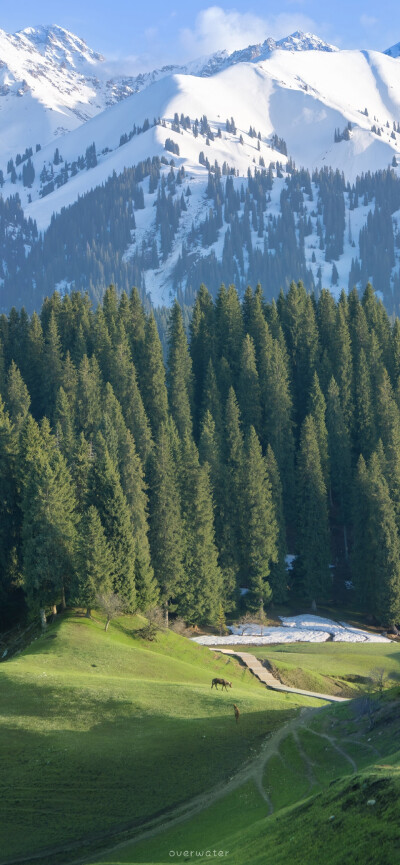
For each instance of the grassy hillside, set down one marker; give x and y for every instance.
(100, 731)
(334, 789)
(341, 669)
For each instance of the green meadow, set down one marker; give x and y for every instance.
(342, 669)
(102, 731)
(334, 790)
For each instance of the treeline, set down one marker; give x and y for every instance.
(275, 428)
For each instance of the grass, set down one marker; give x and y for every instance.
(340, 815)
(100, 731)
(340, 669)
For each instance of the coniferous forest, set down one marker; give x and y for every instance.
(271, 429)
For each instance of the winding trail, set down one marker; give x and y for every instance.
(270, 681)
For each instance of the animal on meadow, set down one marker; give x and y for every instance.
(222, 682)
(237, 713)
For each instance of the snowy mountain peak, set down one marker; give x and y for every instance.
(57, 44)
(299, 41)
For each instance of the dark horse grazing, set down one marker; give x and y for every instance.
(222, 682)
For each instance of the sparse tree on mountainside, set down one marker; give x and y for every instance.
(111, 604)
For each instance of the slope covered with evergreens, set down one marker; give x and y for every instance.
(274, 428)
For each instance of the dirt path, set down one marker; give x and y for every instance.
(270, 681)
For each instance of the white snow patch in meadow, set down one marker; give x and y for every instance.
(294, 629)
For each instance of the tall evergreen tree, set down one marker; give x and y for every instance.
(249, 387)
(179, 377)
(365, 430)
(203, 586)
(343, 364)
(261, 530)
(278, 578)
(312, 564)
(95, 561)
(123, 451)
(52, 363)
(106, 494)
(17, 396)
(230, 541)
(48, 528)
(10, 521)
(317, 408)
(166, 530)
(88, 404)
(154, 390)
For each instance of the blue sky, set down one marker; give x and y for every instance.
(153, 32)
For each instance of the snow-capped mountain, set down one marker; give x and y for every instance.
(51, 81)
(340, 109)
(299, 100)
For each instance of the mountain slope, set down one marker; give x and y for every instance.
(299, 100)
(51, 81)
(334, 89)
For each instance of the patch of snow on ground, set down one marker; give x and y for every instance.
(270, 635)
(294, 629)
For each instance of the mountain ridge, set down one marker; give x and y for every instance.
(260, 111)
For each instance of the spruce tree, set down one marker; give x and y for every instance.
(17, 396)
(48, 528)
(34, 368)
(122, 448)
(88, 403)
(211, 398)
(278, 578)
(10, 519)
(166, 530)
(248, 387)
(179, 377)
(365, 429)
(136, 331)
(154, 391)
(343, 363)
(125, 384)
(63, 422)
(80, 470)
(230, 540)
(278, 417)
(317, 408)
(312, 517)
(361, 562)
(52, 364)
(229, 326)
(202, 345)
(203, 585)
(95, 561)
(340, 458)
(384, 548)
(106, 494)
(260, 537)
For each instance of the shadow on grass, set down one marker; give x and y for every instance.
(118, 767)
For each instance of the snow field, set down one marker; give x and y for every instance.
(294, 629)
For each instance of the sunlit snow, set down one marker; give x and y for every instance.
(294, 629)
